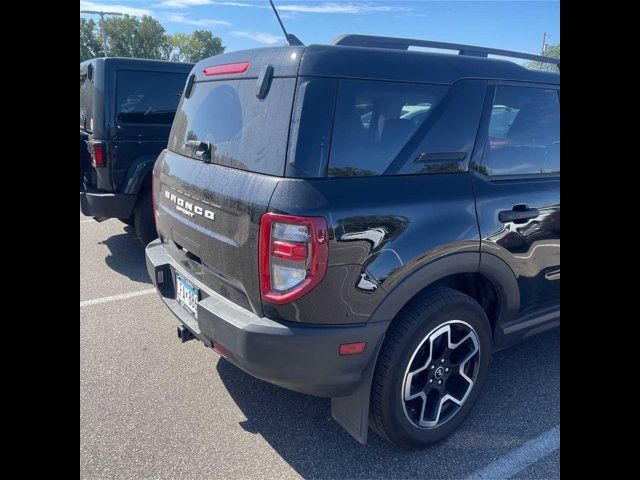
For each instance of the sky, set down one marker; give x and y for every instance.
(510, 25)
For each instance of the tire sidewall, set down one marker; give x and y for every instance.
(143, 219)
(402, 431)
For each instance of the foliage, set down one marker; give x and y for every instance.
(129, 36)
(145, 37)
(89, 44)
(194, 47)
(552, 51)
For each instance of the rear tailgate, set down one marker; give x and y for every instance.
(86, 118)
(209, 213)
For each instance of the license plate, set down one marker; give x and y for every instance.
(187, 295)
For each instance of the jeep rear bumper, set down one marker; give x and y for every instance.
(106, 205)
(299, 357)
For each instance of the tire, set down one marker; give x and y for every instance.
(128, 221)
(439, 319)
(143, 219)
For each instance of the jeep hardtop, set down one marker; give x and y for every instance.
(126, 111)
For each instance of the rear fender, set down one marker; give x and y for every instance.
(352, 412)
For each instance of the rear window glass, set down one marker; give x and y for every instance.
(374, 120)
(86, 98)
(244, 132)
(148, 97)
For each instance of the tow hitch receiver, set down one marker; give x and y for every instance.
(184, 334)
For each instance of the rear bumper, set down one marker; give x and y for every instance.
(106, 205)
(299, 357)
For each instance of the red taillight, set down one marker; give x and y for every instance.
(352, 348)
(221, 350)
(289, 251)
(293, 255)
(226, 69)
(97, 155)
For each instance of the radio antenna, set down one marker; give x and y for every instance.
(291, 38)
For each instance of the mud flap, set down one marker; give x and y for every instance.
(352, 412)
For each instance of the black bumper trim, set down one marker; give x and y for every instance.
(106, 205)
(299, 357)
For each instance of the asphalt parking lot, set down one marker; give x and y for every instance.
(151, 407)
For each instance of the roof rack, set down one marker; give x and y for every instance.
(372, 41)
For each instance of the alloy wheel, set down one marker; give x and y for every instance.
(441, 374)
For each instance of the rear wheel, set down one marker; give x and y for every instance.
(143, 218)
(431, 369)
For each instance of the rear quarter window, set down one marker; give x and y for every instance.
(396, 128)
(244, 132)
(374, 120)
(148, 97)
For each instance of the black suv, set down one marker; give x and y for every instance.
(363, 222)
(127, 106)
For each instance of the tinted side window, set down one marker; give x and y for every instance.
(374, 120)
(444, 143)
(86, 99)
(311, 124)
(524, 132)
(148, 97)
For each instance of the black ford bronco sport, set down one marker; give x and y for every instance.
(127, 106)
(363, 222)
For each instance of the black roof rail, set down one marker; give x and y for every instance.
(373, 41)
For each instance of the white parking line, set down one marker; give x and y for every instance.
(522, 457)
(124, 296)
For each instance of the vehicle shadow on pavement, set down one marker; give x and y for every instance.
(521, 400)
(127, 256)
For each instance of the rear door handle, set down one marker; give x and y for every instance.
(518, 213)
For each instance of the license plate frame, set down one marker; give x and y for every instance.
(187, 295)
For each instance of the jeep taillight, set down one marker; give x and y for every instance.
(293, 255)
(98, 155)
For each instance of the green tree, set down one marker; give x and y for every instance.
(129, 36)
(552, 51)
(89, 44)
(195, 47)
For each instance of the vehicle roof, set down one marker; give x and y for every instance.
(140, 61)
(413, 66)
(376, 64)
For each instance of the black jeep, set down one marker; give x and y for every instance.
(363, 222)
(127, 106)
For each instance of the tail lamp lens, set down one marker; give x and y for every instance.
(293, 255)
(288, 231)
(285, 278)
(98, 155)
(226, 69)
(223, 352)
